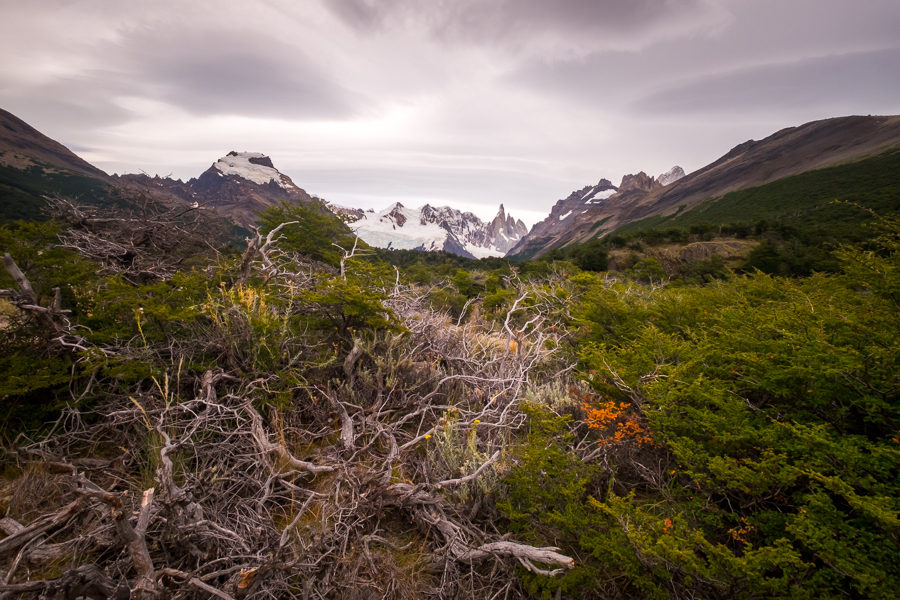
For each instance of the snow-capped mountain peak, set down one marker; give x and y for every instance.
(438, 228)
(670, 176)
(242, 184)
(252, 166)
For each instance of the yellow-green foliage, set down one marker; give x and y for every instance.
(254, 328)
(455, 452)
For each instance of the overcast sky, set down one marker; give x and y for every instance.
(462, 102)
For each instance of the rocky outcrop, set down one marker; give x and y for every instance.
(564, 214)
(396, 215)
(264, 161)
(641, 182)
(503, 232)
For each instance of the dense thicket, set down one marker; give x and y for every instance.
(307, 419)
(745, 439)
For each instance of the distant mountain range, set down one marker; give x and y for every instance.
(241, 184)
(237, 186)
(441, 228)
(788, 152)
(582, 204)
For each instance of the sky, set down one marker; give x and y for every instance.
(467, 103)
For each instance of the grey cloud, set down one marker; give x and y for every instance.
(568, 23)
(834, 84)
(359, 14)
(599, 80)
(233, 73)
(69, 106)
(766, 32)
(198, 66)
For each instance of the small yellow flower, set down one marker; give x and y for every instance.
(476, 421)
(427, 436)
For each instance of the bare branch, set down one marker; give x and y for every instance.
(41, 525)
(193, 581)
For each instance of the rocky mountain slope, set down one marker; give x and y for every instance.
(437, 228)
(23, 146)
(238, 186)
(787, 152)
(583, 208)
(34, 166)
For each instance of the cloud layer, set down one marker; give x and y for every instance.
(470, 102)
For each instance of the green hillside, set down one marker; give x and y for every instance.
(22, 191)
(791, 226)
(832, 201)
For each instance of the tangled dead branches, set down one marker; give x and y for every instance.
(146, 243)
(378, 481)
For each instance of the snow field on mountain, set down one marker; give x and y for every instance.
(384, 230)
(241, 166)
(430, 228)
(479, 252)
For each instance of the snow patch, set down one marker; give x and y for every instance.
(479, 252)
(603, 195)
(238, 164)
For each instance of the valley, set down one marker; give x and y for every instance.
(679, 386)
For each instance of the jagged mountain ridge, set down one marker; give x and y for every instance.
(787, 152)
(438, 228)
(581, 206)
(670, 176)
